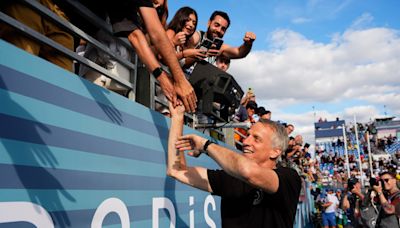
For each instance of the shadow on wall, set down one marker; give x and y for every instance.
(33, 160)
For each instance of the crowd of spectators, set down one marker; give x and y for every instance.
(169, 51)
(363, 197)
(386, 141)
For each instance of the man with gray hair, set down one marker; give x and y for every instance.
(255, 191)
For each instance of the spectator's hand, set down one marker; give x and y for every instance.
(168, 88)
(249, 38)
(179, 39)
(186, 93)
(213, 52)
(356, 190)
(196, 53)
(297, 148)
(249, 94)
(191, 142)
(178, 111)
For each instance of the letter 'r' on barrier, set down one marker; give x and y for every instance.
(25, 212)
(108, 206)
(163, 203)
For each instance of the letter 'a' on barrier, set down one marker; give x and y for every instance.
(25, 212)
(108, 206)
(163, 203)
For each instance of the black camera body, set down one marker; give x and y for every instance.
(373, 182)
(350, 187)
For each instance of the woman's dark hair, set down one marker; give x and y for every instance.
(180, 18)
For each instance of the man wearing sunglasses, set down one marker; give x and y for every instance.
(387, 216)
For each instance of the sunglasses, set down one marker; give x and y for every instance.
(387, 179)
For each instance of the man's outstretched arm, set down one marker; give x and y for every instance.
(176, 164)
(163, 46)
(241, 51)
(146, 55)
(233, 163)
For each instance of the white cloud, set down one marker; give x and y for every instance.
(363, 114)
(364, 20)
(300, 20)
(365, 61)
(358, 65)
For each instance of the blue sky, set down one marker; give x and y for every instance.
(340, 57)
(315, 19)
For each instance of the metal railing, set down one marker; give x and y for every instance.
(70, 28)
(139, 78)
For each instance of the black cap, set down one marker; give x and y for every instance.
(261, 111)
(352, 181)
(252, 105)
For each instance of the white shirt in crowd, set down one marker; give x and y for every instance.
(335, 203)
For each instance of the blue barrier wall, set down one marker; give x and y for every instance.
(73, 154)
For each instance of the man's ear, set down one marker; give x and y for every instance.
(276, 153)
(208, 23)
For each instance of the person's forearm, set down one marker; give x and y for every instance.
(243, 168)
(387, 207)
(176, 160)
(143, 50)
(244, 49)
(162, 43)
(236, 52)
(189, 61)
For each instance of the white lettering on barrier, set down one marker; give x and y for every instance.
(108, 206)
(191, 212)
(209, 221)
(160, 203)
(38, 216)
(25, 212)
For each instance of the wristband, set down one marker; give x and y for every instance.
(157, 72)
(206, 145)
(379, 193)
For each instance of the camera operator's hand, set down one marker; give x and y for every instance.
(357, 190)
(249, 38)
(378, 188)
(179, 39)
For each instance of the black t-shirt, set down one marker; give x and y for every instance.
(243, 205)
(124, 15)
